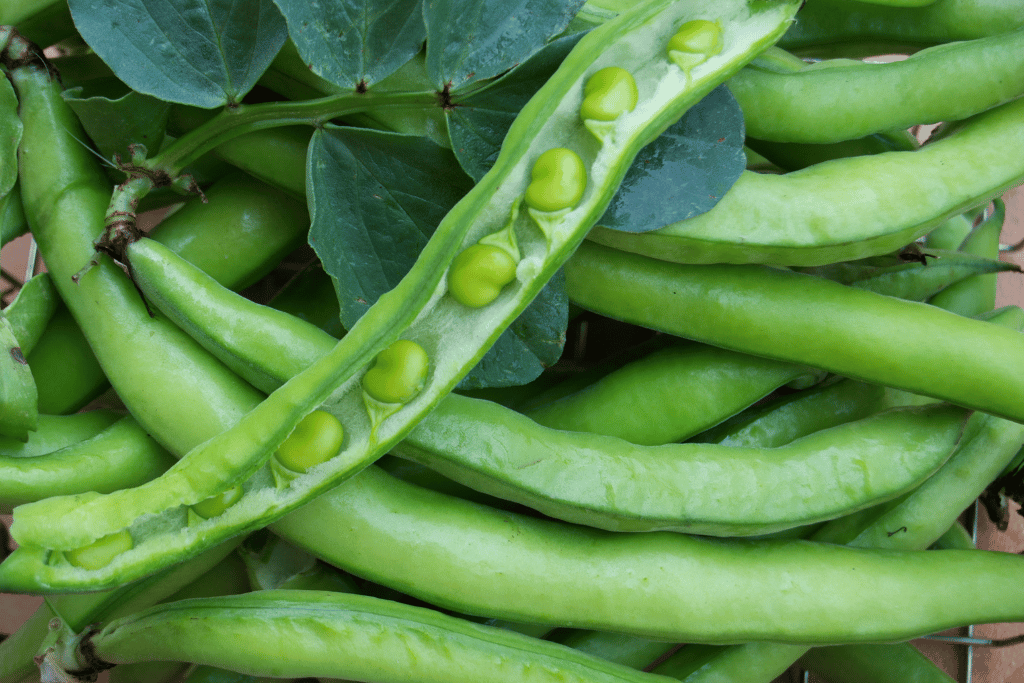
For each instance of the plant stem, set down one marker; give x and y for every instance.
(231, 123)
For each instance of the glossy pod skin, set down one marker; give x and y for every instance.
(453, 336)
(354, 637)
(814, 216)
(264, 344)
(64, 209)
(891, 663)
(703, 489)
(267, 347)
(58, 431)
(80, 610)
(118, 457)
(732, 306)
(242, 217)
(857, 29)
(31, 310)
(239, 234)
(658, 585)
(838, 100)
(640, 401)
(978, 293)
(916, 281)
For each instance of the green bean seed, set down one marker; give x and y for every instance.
(316, 439)
(694, 43)
(609, 92)
(558, 180)
(398, 374)
(216, 505)
(478, 274)
(99, 553)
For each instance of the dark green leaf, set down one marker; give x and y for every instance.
(480, 119)
(375, 199)
(349, 42)
(533, 342)
(685, 171)
(115, 117)
(468, 40)
(205, 53)
(10, 136)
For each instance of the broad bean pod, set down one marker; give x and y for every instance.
(848, 208)
(704, 489)
(939, 272)
(120, 456)
(890, 663)
(58, 431)
(638, 402)
(31, 310)
(492, 443)
(916, 521)
(80, 610)
(499, 564)
(978, 293)
(64, 207)
(734, 305)
(417, 309)
(19, 408)
(243, 217)
(835, 100)
(856, 29)
(12, 216)
(379, 641)
(267, 347)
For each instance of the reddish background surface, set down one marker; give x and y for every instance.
(1002, 665)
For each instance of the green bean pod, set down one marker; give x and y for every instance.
(856, 29)
(453, 336)
(837, 100)
(849, 208)
(937, 271)
(19, 407)
(888, 663)
(12, 216)
(31, 310)
(705, 489)
(118, 457)
(68, 376)
(733, 305)
(65, 196)
(58, 431)
(267, 347)
(80, 610)
(976, 294)
(661, 585)
(640, 402)
(327, 634)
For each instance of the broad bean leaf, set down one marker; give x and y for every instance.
(479, 120)
(685, 171)
(10, 136)
(115, 117)
(205, 53)
(469, 40)
(375, 198)
(353, 42)
(531, 343)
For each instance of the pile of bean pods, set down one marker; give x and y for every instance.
(768, 419)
